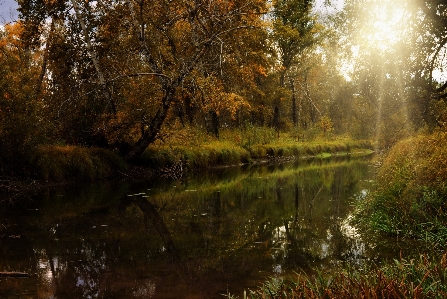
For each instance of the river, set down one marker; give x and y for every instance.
(211, 233)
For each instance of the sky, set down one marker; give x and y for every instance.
(8, 11)
(336, 5)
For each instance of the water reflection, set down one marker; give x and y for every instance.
(220, 231)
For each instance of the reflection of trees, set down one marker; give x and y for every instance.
(269, 218)
(150, 211)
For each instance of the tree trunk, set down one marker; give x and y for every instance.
(44, 62)
(151, 133)
(93, 57)
(294, 108)
(215, 123)
(276, 117)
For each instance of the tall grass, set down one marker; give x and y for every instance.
(415, 278)
(211, 154)
(411, 195)
(199, 150)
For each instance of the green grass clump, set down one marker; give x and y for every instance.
(411, 195)
(67, 163)
(416, 278)
(210, 154)
(199, 150)
(290, 147)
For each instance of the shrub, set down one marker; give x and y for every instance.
(64, 163)
(411, 194)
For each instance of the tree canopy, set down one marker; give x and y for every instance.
(115, 74)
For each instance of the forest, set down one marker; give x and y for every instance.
(94, 89)
(123, 75)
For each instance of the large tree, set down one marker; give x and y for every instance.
(21, 126)
(123, 64)
(295, 30)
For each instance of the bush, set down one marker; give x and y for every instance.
(66, 163)
(411, 194)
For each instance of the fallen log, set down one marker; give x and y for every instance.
(14, 274)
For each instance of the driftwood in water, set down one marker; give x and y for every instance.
(13, 274)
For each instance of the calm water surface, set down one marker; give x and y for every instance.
(203, 236)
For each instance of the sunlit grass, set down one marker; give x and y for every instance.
(411, 194)
(239, 146)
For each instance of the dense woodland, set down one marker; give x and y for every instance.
(123, 74)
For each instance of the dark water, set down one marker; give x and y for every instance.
(209, 234)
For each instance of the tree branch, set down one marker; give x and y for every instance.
(435, 55)
(93, 57)
(139, 75)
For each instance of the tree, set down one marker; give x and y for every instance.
(431, 41)
(294, 31)
(21, 127)
(132, 60)
(408, 40)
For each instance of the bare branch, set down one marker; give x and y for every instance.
(139, 75)
(93, 57)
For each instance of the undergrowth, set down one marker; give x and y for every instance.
(411, 195)
(68, 163)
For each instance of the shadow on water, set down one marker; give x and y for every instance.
(214, 232)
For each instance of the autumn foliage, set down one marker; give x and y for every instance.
(120, 75)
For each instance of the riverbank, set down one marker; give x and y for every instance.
(53, 165)
(197, 150)
(422, 277)
(58, 164)
(225, 153)
(409, 202)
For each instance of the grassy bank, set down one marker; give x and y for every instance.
(411, 195)
(197, 150)
(189, 148)
(423, 277)
(71, 163)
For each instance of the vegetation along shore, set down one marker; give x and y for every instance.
(98, 90)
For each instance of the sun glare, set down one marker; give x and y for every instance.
(383, 26)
